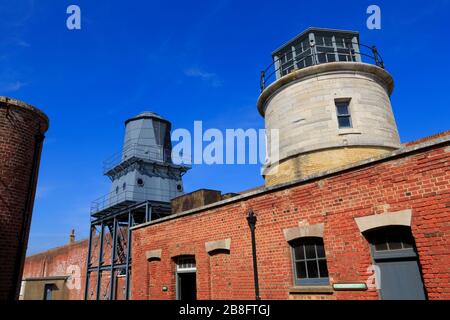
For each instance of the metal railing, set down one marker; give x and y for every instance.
(130, 193)
(152, 153)
(319, 54)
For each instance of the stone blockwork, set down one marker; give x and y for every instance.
(415, 179)
(311, 163)
(22, 129)
(302, 106)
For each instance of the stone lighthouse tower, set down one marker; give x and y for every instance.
(329, 97)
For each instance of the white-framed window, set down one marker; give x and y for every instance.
(186, 264)
(343, 112)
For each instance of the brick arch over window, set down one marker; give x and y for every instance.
(401, 218)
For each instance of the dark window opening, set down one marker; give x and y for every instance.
(186, 278)
(391, 239)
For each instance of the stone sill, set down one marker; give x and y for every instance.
(311, 290)
(345, 132)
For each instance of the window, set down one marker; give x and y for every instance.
(310, 264)
(389, 240)
(343, 114)
(186, 285)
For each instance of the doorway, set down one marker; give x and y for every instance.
(394, 253)
(186, 275)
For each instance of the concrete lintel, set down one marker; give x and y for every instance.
(400, 218)
(315, 230)
(224, 244)
(153, 254)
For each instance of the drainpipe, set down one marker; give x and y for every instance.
(251, 219)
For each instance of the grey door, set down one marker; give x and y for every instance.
(395, 254)
(401, 280)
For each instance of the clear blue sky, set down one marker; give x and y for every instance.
(187, 60)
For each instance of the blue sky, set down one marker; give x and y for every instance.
(186, 60)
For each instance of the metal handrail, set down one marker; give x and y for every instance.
(153, 153)
(129, 193)
(267, 78)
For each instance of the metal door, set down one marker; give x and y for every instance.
(394, 253)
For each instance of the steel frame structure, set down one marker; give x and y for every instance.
(115, 219)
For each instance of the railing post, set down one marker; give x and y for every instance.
(350, 51)
(375, 55)
(262, 82)
(314, 58)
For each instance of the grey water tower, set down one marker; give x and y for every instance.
(144, 170)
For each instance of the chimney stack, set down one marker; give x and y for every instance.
(72, 237)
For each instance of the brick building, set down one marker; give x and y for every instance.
(347, 211)
(22, 129)
(409, 188)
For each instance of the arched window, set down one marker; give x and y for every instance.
(391, 242)
(310, 264)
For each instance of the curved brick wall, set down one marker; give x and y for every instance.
(22, 129)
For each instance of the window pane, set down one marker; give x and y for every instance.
(344, 122)
(342, 109)
(395, 241)
(323, 268)
(299, 252)
(312, 269)
(301, 270)
(407, 240)
(339, 42)
(382, 246)
(310, 251)
(320, 251)
(322, 58)
(319, 40)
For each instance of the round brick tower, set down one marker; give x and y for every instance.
(330, 108)
(22, 129)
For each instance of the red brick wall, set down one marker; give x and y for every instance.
(59, 262)
(62, 260)
(19, 128)
(419, 181)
